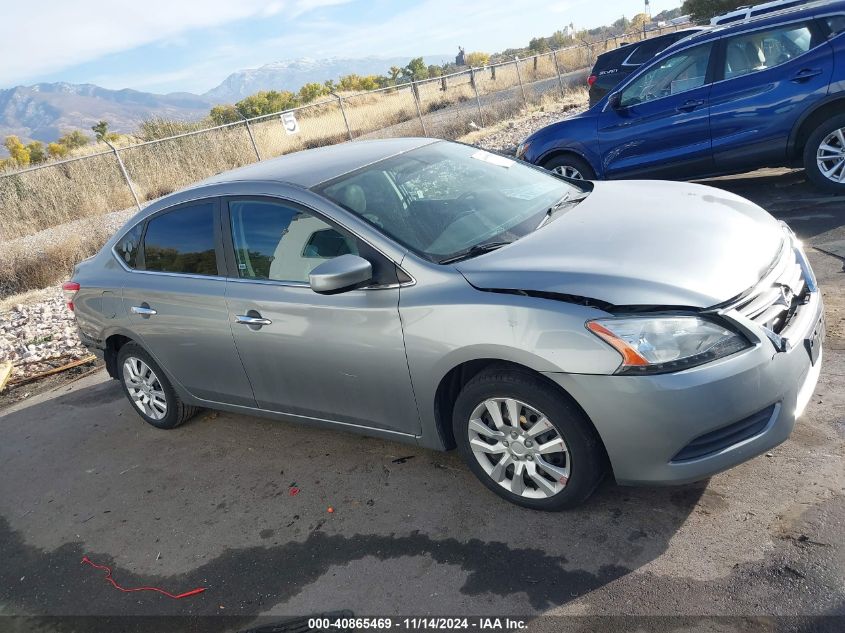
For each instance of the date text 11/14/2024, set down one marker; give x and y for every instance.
(416, 624)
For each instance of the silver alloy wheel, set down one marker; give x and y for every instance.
(145, 390)
(568, 171)
(830, 156)
(519, 448)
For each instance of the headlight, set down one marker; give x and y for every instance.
(654, 345)
(521, 149)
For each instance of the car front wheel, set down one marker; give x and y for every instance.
(570, 166)
(526, 441)
(824, 155)
(148, 389)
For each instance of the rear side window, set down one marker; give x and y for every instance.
(182, 241)
(128, 246)
(761, 50)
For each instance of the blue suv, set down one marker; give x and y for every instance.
(768, 92)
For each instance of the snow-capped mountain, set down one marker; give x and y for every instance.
(291, 74)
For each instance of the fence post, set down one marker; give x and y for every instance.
(477, 98)
(557, 69)
(519, 76)
(252, 139)
(125, 174)
(417, 103)
(343, 112)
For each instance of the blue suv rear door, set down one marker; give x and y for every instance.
(660, 126)
(765, 79)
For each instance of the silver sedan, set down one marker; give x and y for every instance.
(554, 331)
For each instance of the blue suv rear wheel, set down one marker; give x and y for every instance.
(824, 155)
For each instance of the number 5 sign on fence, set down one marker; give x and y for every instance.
(290, 123)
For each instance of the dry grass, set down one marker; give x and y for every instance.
(22, 269)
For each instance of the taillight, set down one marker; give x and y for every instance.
(591, 80)
(69, 289)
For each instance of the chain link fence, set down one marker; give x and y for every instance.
(446, 107)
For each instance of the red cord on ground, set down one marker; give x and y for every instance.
(192, 592)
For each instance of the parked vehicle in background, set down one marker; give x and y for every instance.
(430, 292)
(613, 66)
(747, 12)
(769, 92)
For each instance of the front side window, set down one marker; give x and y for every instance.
(280, 242)
(443, 199)
(760, 50)
(676, 74)
(182, 241)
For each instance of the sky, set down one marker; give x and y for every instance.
(192, 45)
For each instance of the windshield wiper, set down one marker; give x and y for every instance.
(566, 200)
(478, 249)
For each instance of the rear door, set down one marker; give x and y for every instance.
(767, 78)
(175, 300)
(334, 357)
(661, 127)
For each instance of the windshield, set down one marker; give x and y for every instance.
(443, 199)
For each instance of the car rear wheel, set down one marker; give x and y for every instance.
(526, 441)
(148, 389)
(570, 166)
(824, 155)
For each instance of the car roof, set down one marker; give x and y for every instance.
(627, 46)
(311, 167)
(776, 17)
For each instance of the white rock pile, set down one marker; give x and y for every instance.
(39, 336)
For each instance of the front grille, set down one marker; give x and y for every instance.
(780, 293)
(727, 436)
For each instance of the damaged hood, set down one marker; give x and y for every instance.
(640, 243)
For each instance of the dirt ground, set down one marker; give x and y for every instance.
(759, 548)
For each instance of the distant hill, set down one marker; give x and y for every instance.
(46, 111)
(293, 73)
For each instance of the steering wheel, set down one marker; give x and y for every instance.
(463, 200)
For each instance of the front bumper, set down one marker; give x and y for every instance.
(645, 421)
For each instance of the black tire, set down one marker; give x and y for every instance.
(563, 161)
(177, 412)
(586, 457)
(810, 152)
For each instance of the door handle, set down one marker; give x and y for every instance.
(689, 106)
(142, 310)
(245, 319)
(806, 73)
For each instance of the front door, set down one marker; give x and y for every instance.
(337, 357)
(175, 301)
(660, 127)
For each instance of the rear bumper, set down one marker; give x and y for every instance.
(645, 421)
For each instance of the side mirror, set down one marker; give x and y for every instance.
(340, 274)
(615, 101)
